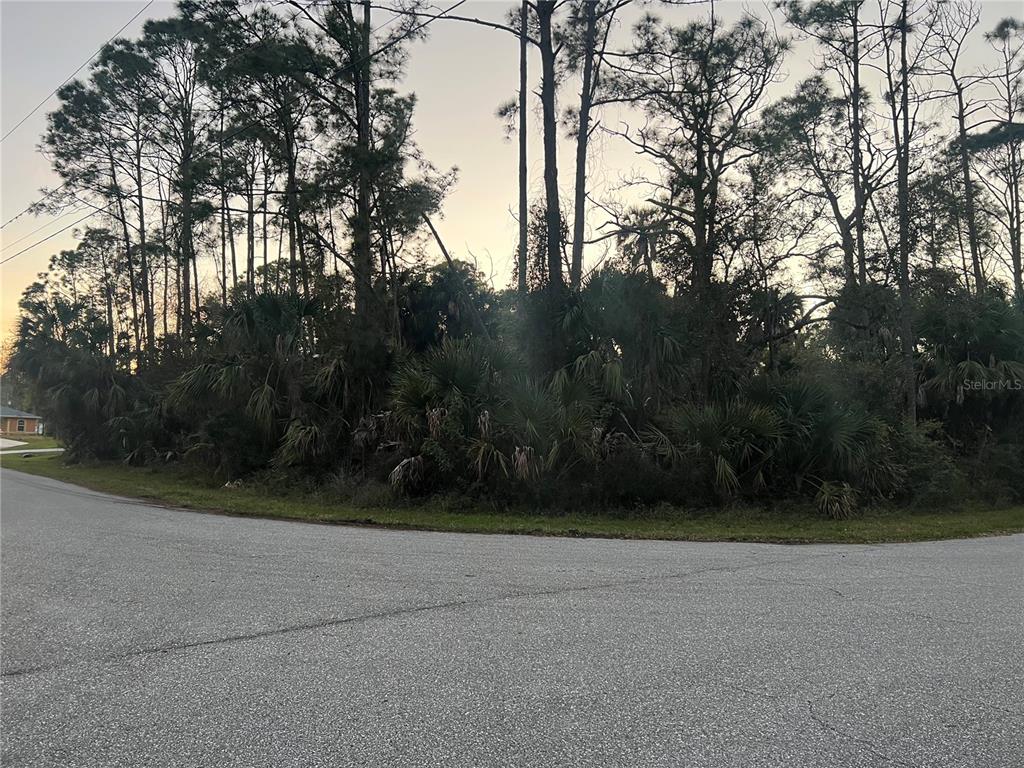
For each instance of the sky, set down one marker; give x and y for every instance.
(460, 74)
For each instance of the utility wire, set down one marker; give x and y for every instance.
(81, 66)
(40, 228)
(48, 237)
(223, 65)
(390, 44)
(55, 190)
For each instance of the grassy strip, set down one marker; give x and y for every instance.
(175, 487)
(31, 442)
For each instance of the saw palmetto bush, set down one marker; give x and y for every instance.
(436, 402)
(471, 415)
(825, 440)
(972, 367)
(82, 394)
(731, 443)
(836, 500)
(253, 399)
(776, 440)
(627, 340)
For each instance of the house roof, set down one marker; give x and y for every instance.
(14, 413)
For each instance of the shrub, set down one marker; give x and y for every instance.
(932, 477)
(836, 500)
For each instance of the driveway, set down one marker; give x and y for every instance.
(6, 443)
(135, 635)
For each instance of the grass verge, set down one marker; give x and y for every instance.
(32, 441)
(175, 487)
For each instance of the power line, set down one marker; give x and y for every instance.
(80, 68)
(223, 65)
(50, 236)
(389, 44)
(40, 228)
(55, 190)
(51, 95)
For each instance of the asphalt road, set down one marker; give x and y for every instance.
(134, 635)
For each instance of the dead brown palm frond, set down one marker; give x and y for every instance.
(727, 482)
(91, 400)
(524, 463)
(483, 423)
(230, 380)
(375, 430)
(116, 401)
(331, 380)
(658, 444)
(435, 421)
(408, 474)
(486, 456)
(836, 500)
(193, 386)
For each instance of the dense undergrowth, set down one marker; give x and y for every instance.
(613, 399)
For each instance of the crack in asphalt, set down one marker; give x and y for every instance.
(398, 612)
(944, 580)
(829, 727)
(844, 596)
(167, 648)
(787, 583)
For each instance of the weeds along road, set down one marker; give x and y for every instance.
(135, 635)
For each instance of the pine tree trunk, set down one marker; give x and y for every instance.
(361, 235)
(523, 205)
(965, 170)
(552, 214)
(582, 139)
(266, 231)
(292, 202)
(223, 248)
(1016, 222)
(122, 217)
(858, 161)
(250, 234)
(907, 341)
(186, 242)
(147, 294)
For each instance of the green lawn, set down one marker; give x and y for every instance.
(32, 441)
(175, 487)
